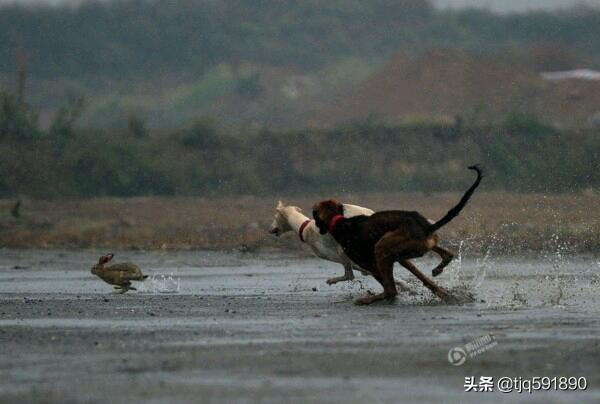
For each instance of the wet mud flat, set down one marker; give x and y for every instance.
(215, 327)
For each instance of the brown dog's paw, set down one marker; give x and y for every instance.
(447, 297)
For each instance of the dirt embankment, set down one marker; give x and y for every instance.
(499, 222)
(446, 83)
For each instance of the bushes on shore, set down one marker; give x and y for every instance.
(519, 154)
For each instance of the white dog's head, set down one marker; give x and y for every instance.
(280, 223)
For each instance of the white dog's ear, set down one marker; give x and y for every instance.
(297, 209)
(279, 204)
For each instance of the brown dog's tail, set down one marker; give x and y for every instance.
(452, 213)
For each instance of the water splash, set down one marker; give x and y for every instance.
(454, 271)
(482, 267)
(464, 290)
(495, 280)
(558, 291)
(161, 284)
(517, 297)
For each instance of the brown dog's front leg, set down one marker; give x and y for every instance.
(385, 257)
(374, 270)
(385, 265)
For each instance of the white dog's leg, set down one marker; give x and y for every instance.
(348, 275)
(362, 271)
(403, 286)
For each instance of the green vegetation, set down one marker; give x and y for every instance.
(519, 154)
(170, 61)
(16, 119)
(132, 38)
(192, 65)
(129, 38)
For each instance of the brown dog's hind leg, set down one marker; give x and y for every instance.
(446, 255)
(438, 291)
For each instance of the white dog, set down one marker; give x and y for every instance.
(290, 218)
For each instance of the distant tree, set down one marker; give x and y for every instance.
(65, 118)
(250, 86)
(16, 209)
(21, 59)
(136, 126)
(528, 126)
(202, 134)
(16, 119)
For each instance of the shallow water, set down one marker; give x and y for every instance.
(266, 327)
(493, 281)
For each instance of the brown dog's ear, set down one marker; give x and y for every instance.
(105, 258)
(331, 206)
(316, 207)
(339, 207)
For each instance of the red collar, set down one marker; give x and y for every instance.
(333, 222)
(302, 227)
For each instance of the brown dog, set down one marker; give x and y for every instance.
(376, 242)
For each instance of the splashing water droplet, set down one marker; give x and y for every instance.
(161, 284)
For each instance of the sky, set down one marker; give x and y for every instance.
(501, 6)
